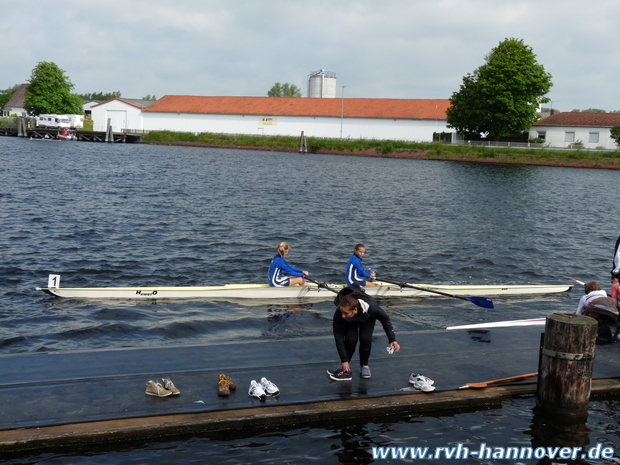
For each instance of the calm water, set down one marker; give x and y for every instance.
(115, 214)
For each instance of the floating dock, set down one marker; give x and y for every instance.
(84, 136)
(54, 400)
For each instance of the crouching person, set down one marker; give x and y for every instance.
(596, 304)
(354, 320)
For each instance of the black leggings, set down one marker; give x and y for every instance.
(363, 332)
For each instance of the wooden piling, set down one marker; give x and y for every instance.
(303, 143)
(109, 133)
(22, 131)
(566, 360)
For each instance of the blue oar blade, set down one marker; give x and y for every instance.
(481, 302)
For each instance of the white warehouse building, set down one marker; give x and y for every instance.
(397, 119)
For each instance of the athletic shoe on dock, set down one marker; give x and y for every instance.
(421, 382)
(340, 375)
(270, 388)
(365, 373)
(257, 390)
(153, 388)
(169, 385)
(413, 377)
(227, 379)
(334, 370)
(223, 388)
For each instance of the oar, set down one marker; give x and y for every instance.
(479, 301)
(323, 285)
(486, 383)
(576, 280)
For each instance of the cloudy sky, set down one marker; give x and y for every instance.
(378, 49)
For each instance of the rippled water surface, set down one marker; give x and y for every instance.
(126, 215)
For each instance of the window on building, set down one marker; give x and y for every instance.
(569, 136)
(542, 135)
(593, 138)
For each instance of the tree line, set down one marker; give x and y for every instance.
(50, 91)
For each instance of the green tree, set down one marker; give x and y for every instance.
(50, 92)
(284, 90)
(100, 96)
(615, 134)
(6, 94)
(501, 97)
(149, 97)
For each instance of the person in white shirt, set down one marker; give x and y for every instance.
(596, 304)
(593, 292)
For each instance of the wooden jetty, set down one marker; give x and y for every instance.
(55, 400)
(85, 136)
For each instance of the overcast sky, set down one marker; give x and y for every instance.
(378, 49)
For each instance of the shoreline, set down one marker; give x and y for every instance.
(410, 155)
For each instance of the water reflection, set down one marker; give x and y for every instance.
(550, 432)
(353, 441)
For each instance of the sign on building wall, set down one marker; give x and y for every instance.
(267, 121)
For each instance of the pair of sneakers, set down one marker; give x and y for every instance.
(155, 388)
(421, 382)
(338, 374)
(263, 389)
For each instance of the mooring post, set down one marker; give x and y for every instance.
(303, 144)
(566, 360)
(109, 134)
(21, 127)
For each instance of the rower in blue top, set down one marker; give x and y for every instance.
(356, 273)
(282, 274)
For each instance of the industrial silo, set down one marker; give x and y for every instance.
(322, 84)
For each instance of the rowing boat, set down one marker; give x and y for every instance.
(311, 292)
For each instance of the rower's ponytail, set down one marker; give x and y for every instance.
(282, 248)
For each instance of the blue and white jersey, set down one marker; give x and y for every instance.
(356, 273)
(280, 270)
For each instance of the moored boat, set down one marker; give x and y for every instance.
(311, 292)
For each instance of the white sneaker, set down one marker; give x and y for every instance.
(421, 382)
(257, 390)
(270, 388)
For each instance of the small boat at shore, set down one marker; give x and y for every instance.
(311, 292)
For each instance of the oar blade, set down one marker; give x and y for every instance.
(481, 302)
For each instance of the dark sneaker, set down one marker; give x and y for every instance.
(365, 371)
(335, 370)
(341, 375)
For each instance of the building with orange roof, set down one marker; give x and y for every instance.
(590, 130)
(355, 118)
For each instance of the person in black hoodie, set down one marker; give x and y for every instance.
(354, 319)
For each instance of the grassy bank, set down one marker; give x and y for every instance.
(395, 149)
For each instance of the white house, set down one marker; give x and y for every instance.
(592, 130)
(15, 105)
(398, 119)
(123, 113)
